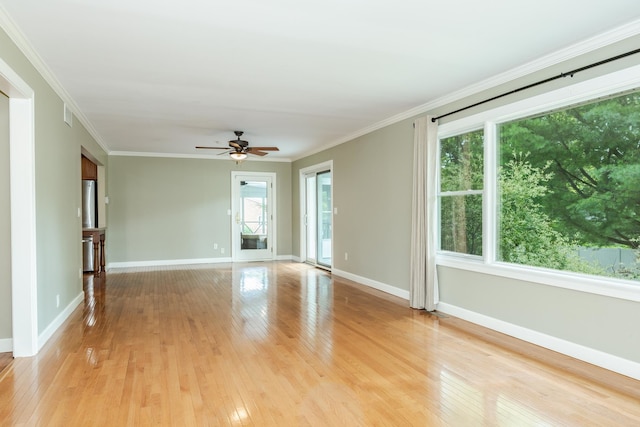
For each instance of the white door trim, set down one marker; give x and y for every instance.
(24, 283)
(272, 221)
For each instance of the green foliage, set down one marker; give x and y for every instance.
(461, 224)
(527, 234)
(462, 162)
(594, 153)
(462, 169)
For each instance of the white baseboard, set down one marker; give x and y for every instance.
(159, 263)
(6, 345)
(296, 258)
(577, 351)
(372, 284)
(167, 262)
(59, 320)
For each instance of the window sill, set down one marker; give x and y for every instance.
(604, 286)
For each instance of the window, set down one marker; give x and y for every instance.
(461, 184)
(569, 189)
(547, 189)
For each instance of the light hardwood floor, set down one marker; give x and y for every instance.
(284, 344)
(5, 360)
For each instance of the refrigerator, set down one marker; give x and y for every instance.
(89, 211)
(89, 220)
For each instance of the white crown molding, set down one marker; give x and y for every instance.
(16, 35)
(593, 43)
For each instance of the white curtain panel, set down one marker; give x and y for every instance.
(423, 287)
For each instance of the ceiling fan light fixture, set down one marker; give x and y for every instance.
(238, 156)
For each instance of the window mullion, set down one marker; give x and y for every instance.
(489, 205)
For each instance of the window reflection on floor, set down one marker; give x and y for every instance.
(251, 300)
(316, 322)
(466, 403)
(253, 279)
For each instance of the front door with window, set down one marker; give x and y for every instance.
(253, 216)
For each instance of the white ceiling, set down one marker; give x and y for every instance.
(161, 76)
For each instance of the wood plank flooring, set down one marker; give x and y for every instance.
(284, 344)
(5, 360)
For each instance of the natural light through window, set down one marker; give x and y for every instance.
(547, 189)
(461, 183)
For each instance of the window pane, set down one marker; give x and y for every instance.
(461, 224)
(461, 162)
(569, 184)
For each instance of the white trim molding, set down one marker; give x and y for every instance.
(577, 351)
(24, 280)
(401, 293)
(59, 320)
(6, 345)
(167, 262)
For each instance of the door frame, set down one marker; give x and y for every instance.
(24, 281)
(320, 167)
(272, 233)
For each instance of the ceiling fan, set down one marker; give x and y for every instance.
(239, 148)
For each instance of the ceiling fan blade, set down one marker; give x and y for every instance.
(263, 148)
(257, 152)
(226, 152)
(235, 144)
(213, 148)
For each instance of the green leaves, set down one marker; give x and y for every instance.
(593, 152)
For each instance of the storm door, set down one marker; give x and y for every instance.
(253, 215)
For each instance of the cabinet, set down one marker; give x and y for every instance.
(89, 169)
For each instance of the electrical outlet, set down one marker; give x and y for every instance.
(222, 251)
(80, 273)
(57, 300)
(346, 256)
(215, 246)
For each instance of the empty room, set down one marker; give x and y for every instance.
(319, 213)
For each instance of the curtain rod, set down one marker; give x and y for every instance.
(538, 83)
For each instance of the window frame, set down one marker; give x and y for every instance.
(453, 193)
(573, 94)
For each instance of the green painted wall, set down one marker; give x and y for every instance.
(57, 182)
(172, 208)
(372, 191)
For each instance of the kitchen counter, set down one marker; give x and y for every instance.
(98, 248)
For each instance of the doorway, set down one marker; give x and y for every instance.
(23, 218)
(253, 216)
(316, 184)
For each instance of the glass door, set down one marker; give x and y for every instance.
(323, 229)
(253, 212)
(317, 218)
(311, 218)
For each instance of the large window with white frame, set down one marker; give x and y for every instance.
(561, 184)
